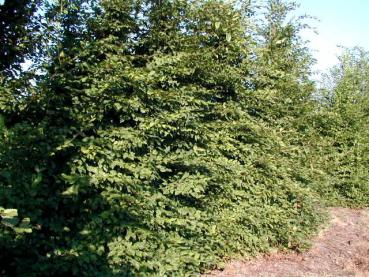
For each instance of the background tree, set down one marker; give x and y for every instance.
(283, 92)
(18, 28)
(342, 121)
(283, 62)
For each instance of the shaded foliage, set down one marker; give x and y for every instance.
(18, 28)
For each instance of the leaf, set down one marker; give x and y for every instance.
(72, 190)
(9, 213)
(20, 230)
(217, 25)
(85, 232)
(37, 180)
(228, 37)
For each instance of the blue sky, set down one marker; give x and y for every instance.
(341, 22)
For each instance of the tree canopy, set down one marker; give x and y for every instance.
(156, 138)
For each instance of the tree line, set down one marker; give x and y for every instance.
(156, 138)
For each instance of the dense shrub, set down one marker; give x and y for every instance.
(158, 142)
(342, 125)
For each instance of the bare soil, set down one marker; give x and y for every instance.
(342, 249)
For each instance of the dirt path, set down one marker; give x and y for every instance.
(340, 250)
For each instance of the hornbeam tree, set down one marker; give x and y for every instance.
(342, 121)
(144, 158)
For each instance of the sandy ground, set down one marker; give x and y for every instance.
(342, 249)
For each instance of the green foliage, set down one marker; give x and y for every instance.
(343, 124)
(18, 33)
(9, 218)
(163, 137)
(282, 69)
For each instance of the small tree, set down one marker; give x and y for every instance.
(344, 125)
